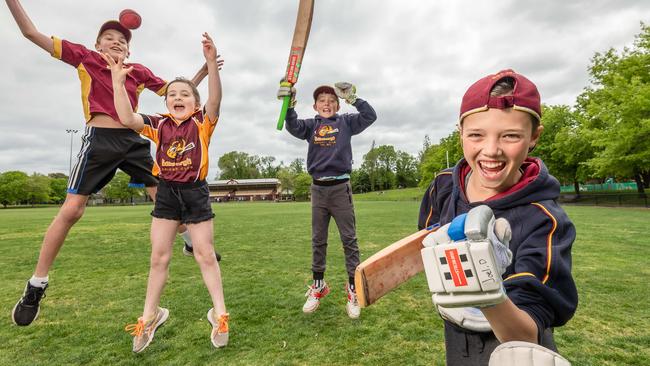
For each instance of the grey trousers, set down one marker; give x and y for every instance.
(333, 201)
(466, 348)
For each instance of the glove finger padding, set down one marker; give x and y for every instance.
(287, 90)
(499, 233)
(525, 354)
(461, 261)
(346, 91)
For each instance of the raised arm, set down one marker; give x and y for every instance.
(123, 106)
(213, 104)
(203, 71)
(27, 27)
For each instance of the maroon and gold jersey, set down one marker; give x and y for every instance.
(96, 82)
(181, 147)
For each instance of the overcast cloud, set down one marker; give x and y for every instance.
(412, 60)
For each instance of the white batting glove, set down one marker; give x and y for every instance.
(346, 91)
(287, 90)
(464, 260)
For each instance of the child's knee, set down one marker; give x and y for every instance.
(204, 256)
(72, 212)
(160, 259)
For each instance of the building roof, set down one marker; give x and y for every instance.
(231, 182)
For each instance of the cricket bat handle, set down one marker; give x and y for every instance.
(283, 112)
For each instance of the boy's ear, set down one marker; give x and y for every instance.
(534, 138)
(315, 107)
(338, 106)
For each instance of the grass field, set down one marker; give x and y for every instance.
(98, 283)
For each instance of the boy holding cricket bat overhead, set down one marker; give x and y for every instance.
(329, 162)
(500, 124)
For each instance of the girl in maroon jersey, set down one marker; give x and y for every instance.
(182, 137)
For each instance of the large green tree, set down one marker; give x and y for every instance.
(302, 185)
(563, 146)
(239, 165)
(58, 188)
(12, 187)
(439, 157)
(37, 189)
(617, 111)
(118, 189)
(406, 170)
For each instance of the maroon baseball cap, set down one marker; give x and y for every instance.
(114, 24)
(324, 89)
(524, 97)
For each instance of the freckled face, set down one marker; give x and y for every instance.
(495, 144)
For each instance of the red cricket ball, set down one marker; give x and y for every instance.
(130, 19)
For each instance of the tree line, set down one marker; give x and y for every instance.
(605, 134)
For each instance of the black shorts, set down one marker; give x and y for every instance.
(188, 203)
(103, 151)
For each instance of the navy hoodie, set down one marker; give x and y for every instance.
(330, 152)
(539, 279)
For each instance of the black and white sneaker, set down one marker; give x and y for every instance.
(189, 251)
(27, 308)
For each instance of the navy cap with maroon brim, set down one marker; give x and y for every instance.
(114, 24)
(524, 97)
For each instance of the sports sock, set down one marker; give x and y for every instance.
(351, 282)
(39, 281)
(186, 236)
(319, 279)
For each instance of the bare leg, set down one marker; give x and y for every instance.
(162, 238)
(69, 213)
(152, 193)
(201, 234)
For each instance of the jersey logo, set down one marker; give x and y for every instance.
(179, 148)
(326, 130)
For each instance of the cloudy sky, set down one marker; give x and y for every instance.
(412, 60)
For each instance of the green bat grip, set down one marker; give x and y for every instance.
(283, 112)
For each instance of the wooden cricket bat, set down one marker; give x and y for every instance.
(298, 45)
(390, 267)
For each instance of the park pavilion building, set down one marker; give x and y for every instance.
(267, 189)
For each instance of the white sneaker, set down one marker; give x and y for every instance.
(220, 329)
(352, 307)
(314, 294)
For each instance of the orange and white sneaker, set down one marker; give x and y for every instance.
(219, 335)
(143, 331)
(314, 294)
(352, 307)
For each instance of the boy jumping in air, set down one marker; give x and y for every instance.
(329, 162)
(107, 144)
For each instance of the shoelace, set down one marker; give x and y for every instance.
(136, 329)
(33, 296)
(352, 297)
(317, 293)
(223, 323)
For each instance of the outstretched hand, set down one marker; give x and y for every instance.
(209, 49)
(118, 71)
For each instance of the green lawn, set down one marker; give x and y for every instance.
(98, 283)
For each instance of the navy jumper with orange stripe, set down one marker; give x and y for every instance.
(539, 280)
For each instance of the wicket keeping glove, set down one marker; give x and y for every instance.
(287, 90)
(346, 91)
(465, 259)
